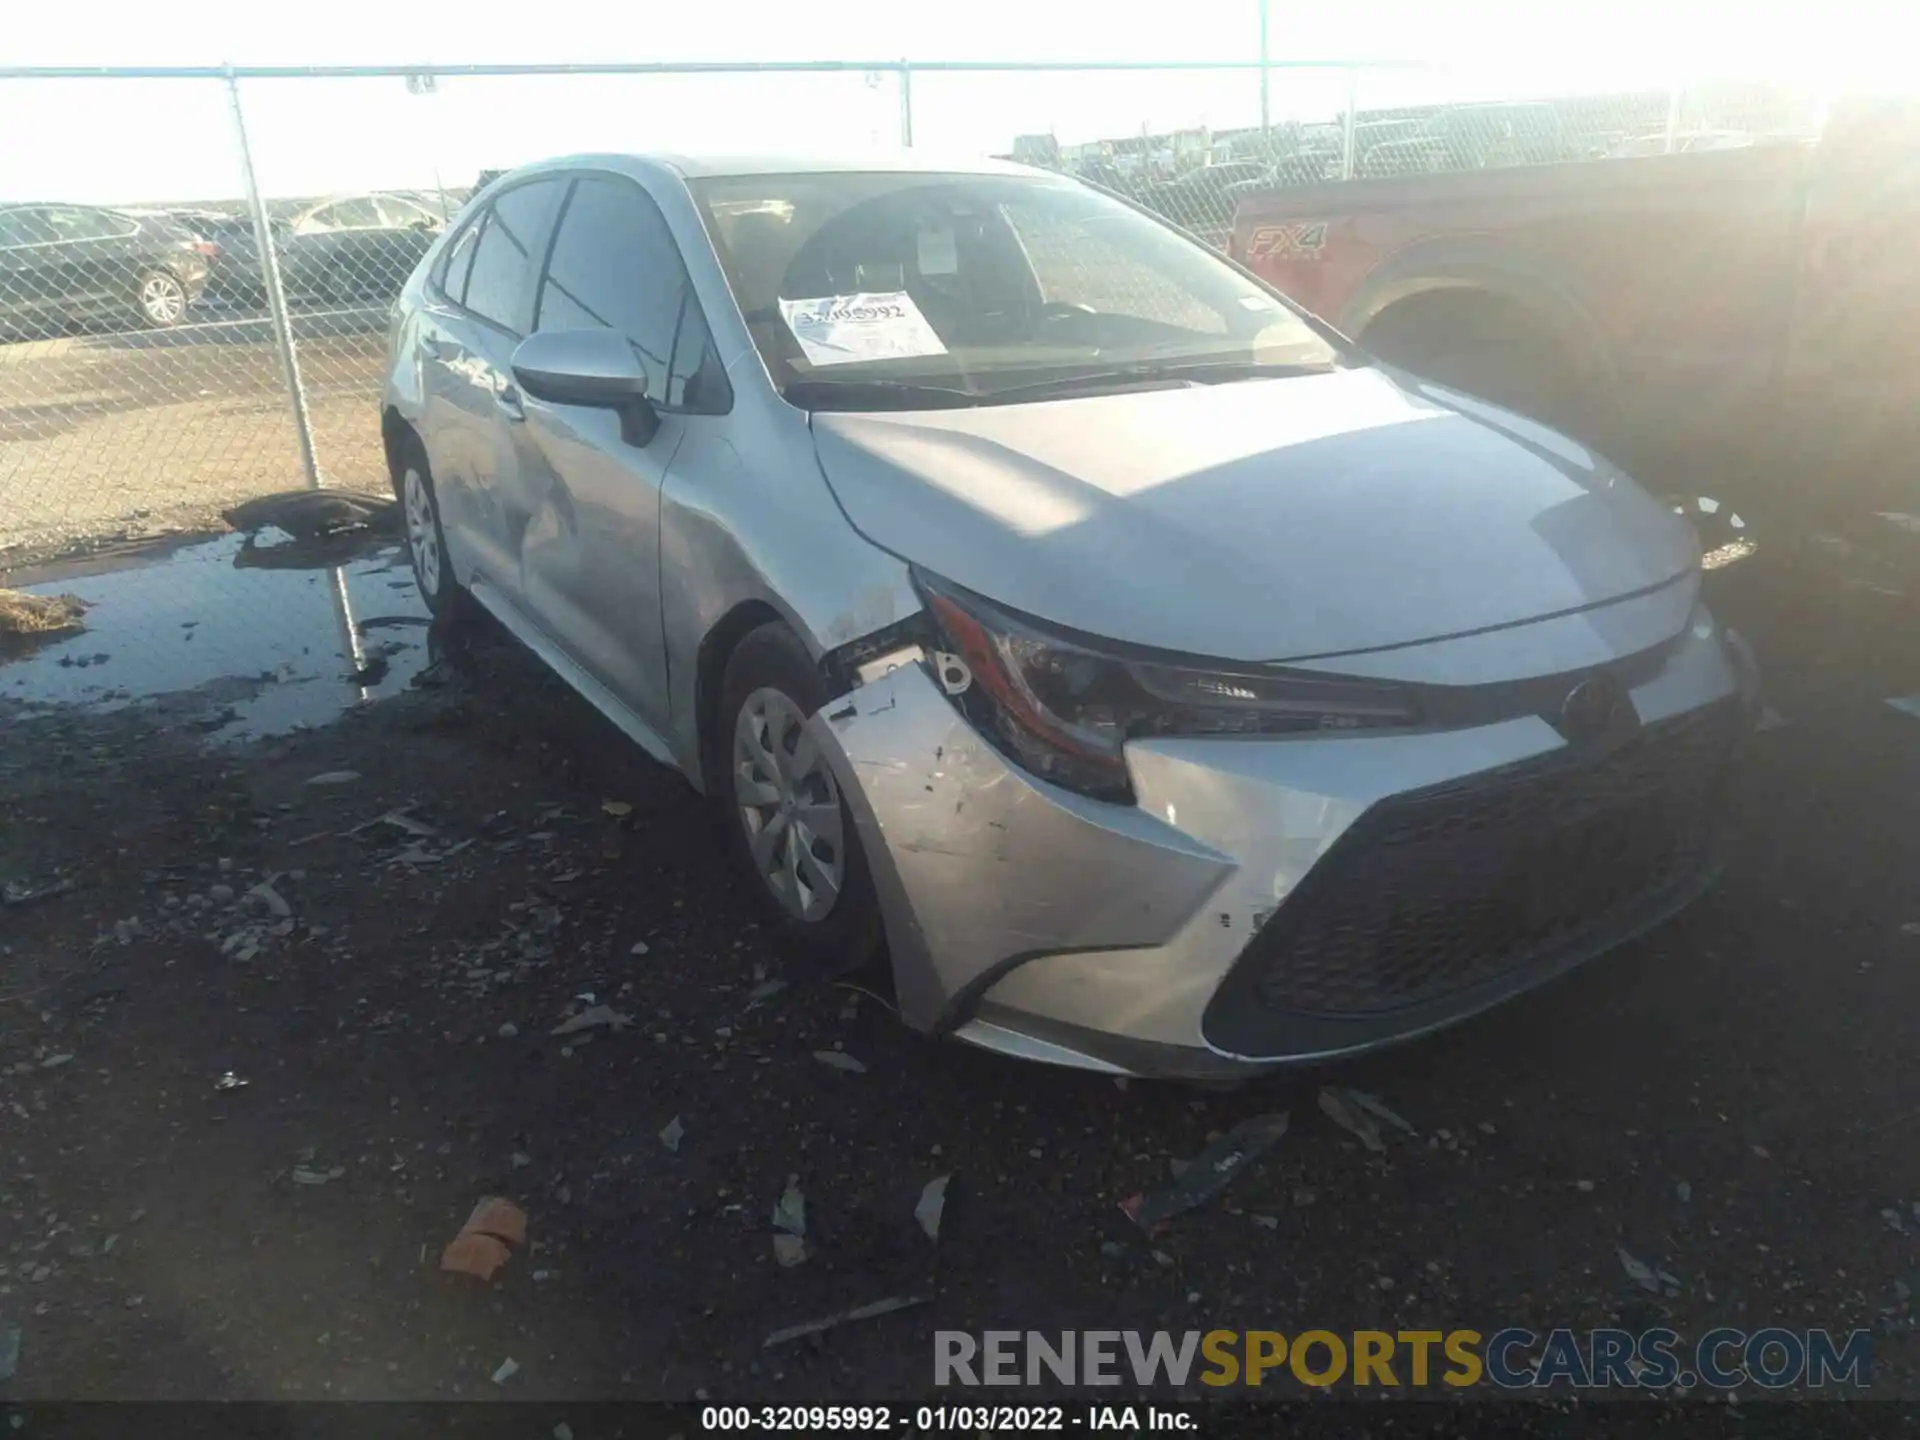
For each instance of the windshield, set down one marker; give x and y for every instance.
(871, 291)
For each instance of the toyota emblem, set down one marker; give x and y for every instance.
(1595, 709)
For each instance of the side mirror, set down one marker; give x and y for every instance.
(596, 368)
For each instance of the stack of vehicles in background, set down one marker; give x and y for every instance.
(1197, 177)
(1727, 317)
(337, 251)
(153, 267)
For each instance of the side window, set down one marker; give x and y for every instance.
(24, 227)
(517, 227)
(401, 214)
(616, 266)
(80, 224)
(459, 260)
(357, 214)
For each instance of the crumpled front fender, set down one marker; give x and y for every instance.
(980, 866)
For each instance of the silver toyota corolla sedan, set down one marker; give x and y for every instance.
(1164, 687)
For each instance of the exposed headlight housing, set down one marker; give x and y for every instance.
(1065, 708)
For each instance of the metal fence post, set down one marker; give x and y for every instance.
(276, 295)
(1349, 121)
(1266, 108)
(906, 104)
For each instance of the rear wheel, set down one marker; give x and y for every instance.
(789, 825)
(161, 298)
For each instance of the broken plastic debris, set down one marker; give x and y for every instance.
(508, 1369)
(670, 1135)
(1377, 1108)
(481, 1247)
(1209, 1172)
(1641, 1274)
(616, 808)
(872, 1311)
(594, 1015)
(765, 990)
(1355, 1112)
(303, 1175)
(18, 892)
(933, 1204)
(840, 1060)
(790, 1213)
(401, 820)
(9, 1352)
(1770, 719)
(1906, 704)
(789, 1250)
(334, 777)
(230, 1081)
(271, 898)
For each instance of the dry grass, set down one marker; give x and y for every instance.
(38, 616)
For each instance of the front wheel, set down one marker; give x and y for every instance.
(162, 299)
(789, 825)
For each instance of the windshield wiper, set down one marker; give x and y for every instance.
(813, 394)
(1122, 377)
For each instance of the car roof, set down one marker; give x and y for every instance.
(723, 166)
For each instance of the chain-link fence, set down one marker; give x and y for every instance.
(195, 277)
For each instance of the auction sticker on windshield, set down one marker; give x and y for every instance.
(845, 329)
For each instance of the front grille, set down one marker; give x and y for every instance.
(1447, 888)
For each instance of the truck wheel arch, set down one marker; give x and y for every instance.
(1469, 273)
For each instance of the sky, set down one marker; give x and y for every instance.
(133, 140)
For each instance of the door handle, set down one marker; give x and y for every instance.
(435, 347)
(508, 399)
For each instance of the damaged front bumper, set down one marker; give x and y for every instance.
(1268, 901)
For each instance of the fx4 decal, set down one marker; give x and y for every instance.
(1287, 242)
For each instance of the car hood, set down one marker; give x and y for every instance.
(1273, 519)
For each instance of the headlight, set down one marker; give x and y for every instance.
(1065, 709)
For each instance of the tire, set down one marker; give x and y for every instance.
(161, 299)
(426, 537)
(787, 823)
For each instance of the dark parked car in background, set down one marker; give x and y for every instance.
(64, 264)
(234, 273)
(356, 247)
(336, 251)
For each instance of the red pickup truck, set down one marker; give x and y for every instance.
(1753, 310)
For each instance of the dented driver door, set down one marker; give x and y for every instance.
(590, 558)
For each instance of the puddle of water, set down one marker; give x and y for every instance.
(235, 641)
